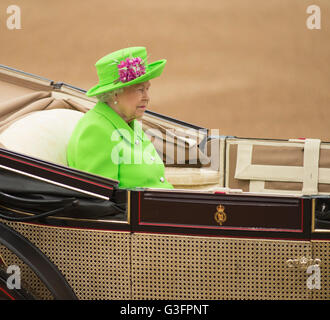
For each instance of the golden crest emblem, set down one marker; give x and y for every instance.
(220, 216)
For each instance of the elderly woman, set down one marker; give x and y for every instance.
(108, 140)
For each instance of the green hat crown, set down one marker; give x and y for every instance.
(123, 68)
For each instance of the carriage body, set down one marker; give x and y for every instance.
(250, 225)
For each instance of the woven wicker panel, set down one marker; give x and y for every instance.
(95, 263)
(321, 251)
(182, 267)
(29, 281)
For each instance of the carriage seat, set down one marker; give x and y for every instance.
(42, 134)
(45, 134)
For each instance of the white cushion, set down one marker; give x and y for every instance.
(42, 134)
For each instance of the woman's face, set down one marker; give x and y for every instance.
(133, 101)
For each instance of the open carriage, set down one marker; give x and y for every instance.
(247, 219)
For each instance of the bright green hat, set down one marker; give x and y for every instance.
(123, 68)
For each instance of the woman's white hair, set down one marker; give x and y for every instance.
(109, 95)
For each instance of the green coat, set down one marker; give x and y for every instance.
(103, 143)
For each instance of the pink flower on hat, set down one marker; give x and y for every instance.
(130, 69)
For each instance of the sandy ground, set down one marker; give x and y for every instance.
(249, 68)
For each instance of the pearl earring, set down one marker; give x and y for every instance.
(115, 102)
